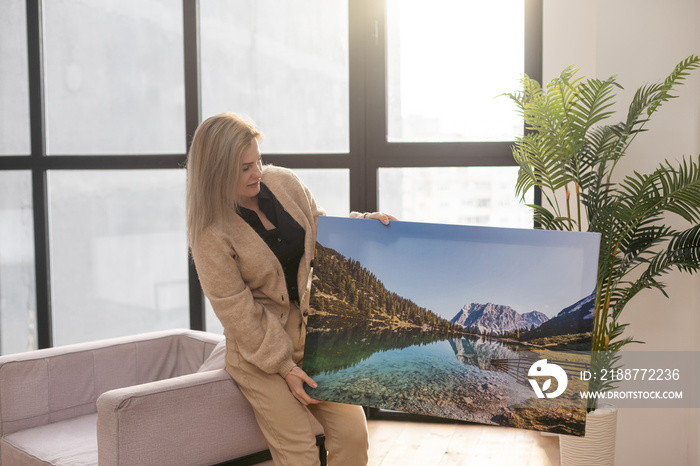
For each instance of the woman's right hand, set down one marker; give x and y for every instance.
(295, 380)
(381, 216)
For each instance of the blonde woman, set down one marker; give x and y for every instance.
(252, 233)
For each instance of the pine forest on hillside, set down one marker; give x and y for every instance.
(346, 293)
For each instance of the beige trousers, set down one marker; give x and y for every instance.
(285, 422)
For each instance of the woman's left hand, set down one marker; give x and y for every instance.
(381, 216)
(295, 380)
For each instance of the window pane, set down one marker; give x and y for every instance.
(212, 323)
(14, 94)
(447, 61)
(284, 64)
(114, 77)
(17, 280)
(330, 187)
(483, 196)
(118, 253)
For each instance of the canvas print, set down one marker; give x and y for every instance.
(488, 325)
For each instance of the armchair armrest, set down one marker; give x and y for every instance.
(56, 384)
(199, 418)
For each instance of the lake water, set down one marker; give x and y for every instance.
(448, 377)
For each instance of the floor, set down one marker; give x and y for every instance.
(421, 443)
(404, 443)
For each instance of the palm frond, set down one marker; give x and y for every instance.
(596, 99)
(538, 167)
(682, 188)
(625, 291)
(547, 221)
(531, 90)
(676, 77)
(682, 253)
(637, 247)
(642, 199)
(647, 100)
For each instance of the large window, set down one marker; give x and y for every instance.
(284, 64)
(376, 104)
(118, 247)
(447, 61)
(114, 79)
(461, 195)
(438, 132)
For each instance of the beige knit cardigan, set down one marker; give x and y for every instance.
(244, 281)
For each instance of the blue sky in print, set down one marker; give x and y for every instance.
(443, 267)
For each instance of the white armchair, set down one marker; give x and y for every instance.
(135, 400)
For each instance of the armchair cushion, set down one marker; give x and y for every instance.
(217, 358)
(65, 443)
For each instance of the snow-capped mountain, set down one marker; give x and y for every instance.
(574, 319)
(496, 318)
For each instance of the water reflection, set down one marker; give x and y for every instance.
(480, 351)
(333, 351)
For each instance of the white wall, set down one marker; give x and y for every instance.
(641, 41)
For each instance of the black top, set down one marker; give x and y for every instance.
(286, 240)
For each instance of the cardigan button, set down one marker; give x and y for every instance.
(305, 313)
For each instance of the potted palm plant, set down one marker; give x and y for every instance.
(570, 153)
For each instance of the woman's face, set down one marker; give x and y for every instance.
(251, 172)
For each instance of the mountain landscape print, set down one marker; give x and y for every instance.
(444, 320)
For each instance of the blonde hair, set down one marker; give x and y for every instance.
(214, 168)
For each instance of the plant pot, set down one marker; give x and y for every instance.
(597, 446)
